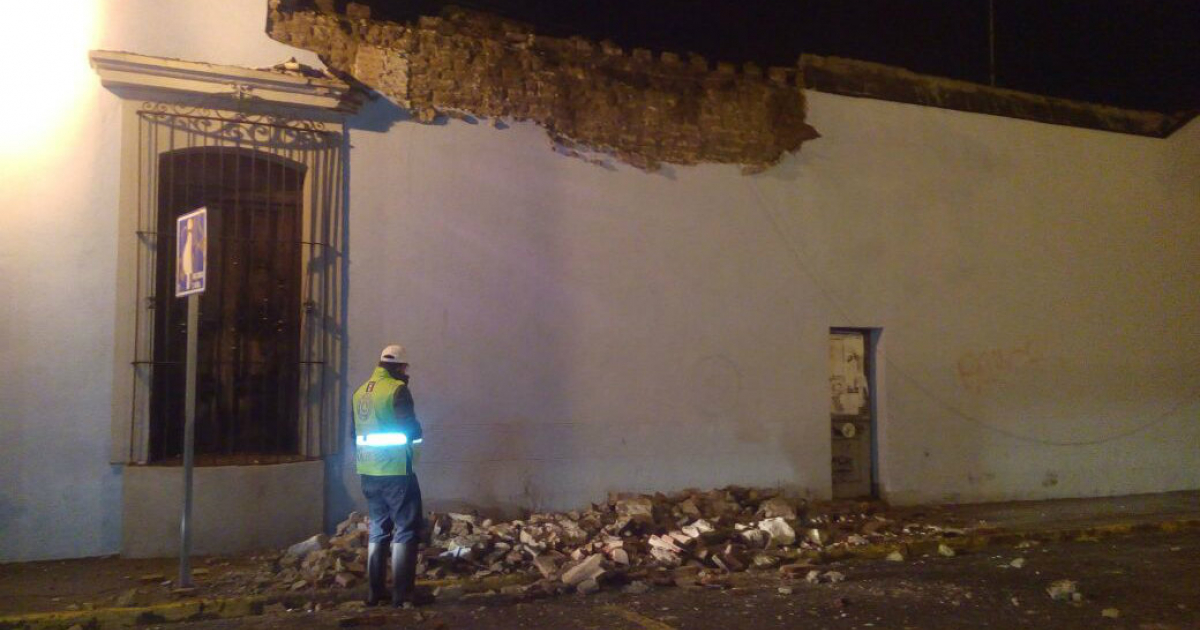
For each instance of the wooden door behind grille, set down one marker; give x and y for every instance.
(247, 386)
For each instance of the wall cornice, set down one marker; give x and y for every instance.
(289, 84)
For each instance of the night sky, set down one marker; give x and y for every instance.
(1143, 54)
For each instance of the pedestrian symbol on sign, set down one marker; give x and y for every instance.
(191, 246)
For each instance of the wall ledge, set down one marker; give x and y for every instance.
(850, 77)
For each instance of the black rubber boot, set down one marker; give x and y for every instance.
(404, 573)
(376, 572)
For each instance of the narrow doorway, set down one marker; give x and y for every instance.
(852, 417)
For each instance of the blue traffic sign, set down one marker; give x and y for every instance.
(191, 252)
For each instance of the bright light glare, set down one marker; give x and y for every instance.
(45, 52)
(383, 439)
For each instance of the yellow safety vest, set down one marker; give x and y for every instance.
(375, 417)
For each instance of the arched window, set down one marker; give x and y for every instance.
(248, 367)
(263, 150)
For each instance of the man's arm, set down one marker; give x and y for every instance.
(406, 414)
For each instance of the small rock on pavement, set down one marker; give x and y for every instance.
(785, 590)
(946, 550)
(132, 597)
(638, 587)
(448, 592)
(1062, 590)
(1111, 613)
(1017, 563)
(816, 577)
(896, 556)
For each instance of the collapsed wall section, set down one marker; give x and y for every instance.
(643, 108)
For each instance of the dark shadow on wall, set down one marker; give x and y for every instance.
(339, 497)
(377, 115)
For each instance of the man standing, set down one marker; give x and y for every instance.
(387, 439)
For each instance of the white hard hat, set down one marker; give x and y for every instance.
(393, 354)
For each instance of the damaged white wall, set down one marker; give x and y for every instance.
(576, 329)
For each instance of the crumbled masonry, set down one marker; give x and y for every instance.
(681, 538)
(643, 108)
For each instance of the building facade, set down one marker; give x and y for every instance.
(999, 309)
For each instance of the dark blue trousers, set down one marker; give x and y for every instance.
(394, 504)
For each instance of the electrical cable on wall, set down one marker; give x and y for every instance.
(940, 401)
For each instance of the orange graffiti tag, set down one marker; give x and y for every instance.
(979, 370)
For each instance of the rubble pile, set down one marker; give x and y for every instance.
(631, 539)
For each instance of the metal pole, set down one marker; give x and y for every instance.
(189, 431)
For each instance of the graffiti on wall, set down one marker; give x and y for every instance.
(977, 371)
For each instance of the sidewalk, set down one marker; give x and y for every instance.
(1033, 516)
(80, 590)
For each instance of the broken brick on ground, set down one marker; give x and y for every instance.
(689, 537)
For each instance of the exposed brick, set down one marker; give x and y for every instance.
(643, 109)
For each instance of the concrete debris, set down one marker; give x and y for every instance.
(686, 538)
(302, 549)
(1017, 563)
(785, 590)
(590, 569)
(896, 556)
(756, 538)
(547, 564)
(777, 507)
(640, 509)
(764, 561)
(1111, 613)
(946, 550)
(780, 532)
(588, 586)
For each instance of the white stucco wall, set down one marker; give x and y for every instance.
(576, 329)
(59, 183)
